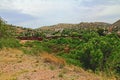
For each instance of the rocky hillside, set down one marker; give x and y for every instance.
(59, 28)
(117, 23)
(81, 25)
(116, 26)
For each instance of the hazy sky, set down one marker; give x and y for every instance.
(36, 13)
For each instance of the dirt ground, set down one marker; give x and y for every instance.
(14, 65)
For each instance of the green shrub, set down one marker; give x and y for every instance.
(32, 47)
(9, 43)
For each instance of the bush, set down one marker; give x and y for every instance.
(32, 47)
(9, 43)
(36, 47)
(71, 60)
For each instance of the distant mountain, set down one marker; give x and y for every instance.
(94, 25)
(61, 25)
(59, 28)
(81, 25)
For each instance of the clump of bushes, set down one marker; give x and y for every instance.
(9, 43)
(92, 51)
(35, 47)
(101, 53)
(7, 34)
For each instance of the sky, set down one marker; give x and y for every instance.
(37, 13)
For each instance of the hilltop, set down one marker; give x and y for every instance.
(81, 25)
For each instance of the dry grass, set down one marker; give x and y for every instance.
(16, 66)
(52, 59)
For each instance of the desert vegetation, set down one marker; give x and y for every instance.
(91, 48)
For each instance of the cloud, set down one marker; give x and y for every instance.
(14, 15)
(37, 13)
(37, 7)
(110, 10)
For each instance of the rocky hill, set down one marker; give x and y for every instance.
(117, 23)
(116, 26)
(81, 25)
(58, 28)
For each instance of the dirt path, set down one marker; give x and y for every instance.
(14, 65)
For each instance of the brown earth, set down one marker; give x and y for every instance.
(14, 65)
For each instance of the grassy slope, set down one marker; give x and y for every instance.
(14, 65)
